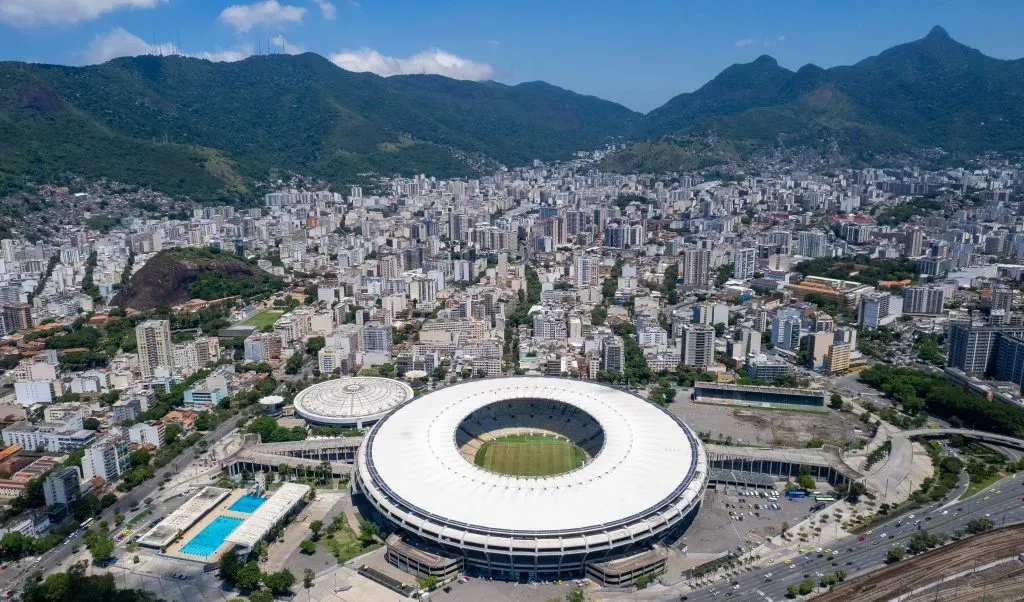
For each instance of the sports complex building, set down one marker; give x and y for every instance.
(528, 478)
(758, 397)
(355, 402)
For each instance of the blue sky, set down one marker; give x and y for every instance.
(637, 53)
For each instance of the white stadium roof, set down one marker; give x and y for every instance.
(350, 400)
(648, 459)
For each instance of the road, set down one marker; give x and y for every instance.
(858, 556)
(52, 559)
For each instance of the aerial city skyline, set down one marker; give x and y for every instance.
(381, 301)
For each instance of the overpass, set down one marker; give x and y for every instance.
(984, 436)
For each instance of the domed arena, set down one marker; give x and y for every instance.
(357, 401)
(530, 478)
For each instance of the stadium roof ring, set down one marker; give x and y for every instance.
(355, 401)
(643, 479)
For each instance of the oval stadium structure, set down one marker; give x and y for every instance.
(529, 477)
(356, 401)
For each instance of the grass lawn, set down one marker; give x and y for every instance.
(980, 485)
(345, 544)
(267, 317)
(140, 516)
(530, 455)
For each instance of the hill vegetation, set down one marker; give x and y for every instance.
(185, 125)
(188, 126)
(918, 95)
(175, 276)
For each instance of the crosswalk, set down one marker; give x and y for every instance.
(763, 595)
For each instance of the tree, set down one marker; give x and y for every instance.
(979, 525)
(100, 546)
(307, 546)
(229, 566)
(307, 578)
(171, 433)
(261, 596)
(108, 500)
(921, 541)
(387, 370)
(91, 424)
(248, 577)
(835, 401)
(368, 532)
(805, 481)
(793, 591)
(806, 587)
(894, 555)
(576, 595)
(315, 527)
(598, 315)
(294, 364)
(315, 344)
(279, 582)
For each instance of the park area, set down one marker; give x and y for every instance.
(263, 318)
(531, 455)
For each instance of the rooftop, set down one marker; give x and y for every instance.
(343, 400)
(256, 527)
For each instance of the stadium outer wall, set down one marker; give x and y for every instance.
(536, 555)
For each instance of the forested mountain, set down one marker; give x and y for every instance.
(933, 92)
(185, 125)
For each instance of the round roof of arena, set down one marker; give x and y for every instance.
(350, 400)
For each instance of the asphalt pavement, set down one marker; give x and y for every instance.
(856, 556)
(51, 560)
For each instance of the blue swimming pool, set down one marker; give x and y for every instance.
(247, 504)
(211, 537)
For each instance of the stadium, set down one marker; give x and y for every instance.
(355, 402)
(529, 478)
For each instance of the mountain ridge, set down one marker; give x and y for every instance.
(209, 130)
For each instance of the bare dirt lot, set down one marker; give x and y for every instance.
(765, 427)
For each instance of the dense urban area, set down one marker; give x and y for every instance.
(751, 376)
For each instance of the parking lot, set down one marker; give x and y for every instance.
(730, 520)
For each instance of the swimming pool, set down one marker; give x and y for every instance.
(247, 504)
(211, 537)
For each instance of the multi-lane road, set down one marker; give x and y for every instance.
(12, 577)
(856, 556)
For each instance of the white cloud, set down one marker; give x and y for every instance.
(434, 61)
(354, 4)
(244, 17)
(744, 42)
(120, 42)
(283, 45)
(326, 9)
(33, 12)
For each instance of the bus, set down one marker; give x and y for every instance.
(824, 498)
(85, 524)
(796, 493)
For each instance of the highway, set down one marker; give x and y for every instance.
(11, 578)
(856, 556)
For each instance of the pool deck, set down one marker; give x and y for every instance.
(221, 509)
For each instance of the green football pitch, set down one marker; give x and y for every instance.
(530, 455)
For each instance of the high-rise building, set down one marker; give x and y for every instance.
(838, 358)
(17, 317)
(587, 271)
(786, 329)
(376, 338)
(874, 308)
(62, 486)
(613, 354)
(696, 266)
(812, 244)
(154, 346)
(744, 263)
(1010, 360)
(697, 345)
(107, 459)
(915, 243)
(927, 300)
(973, 348)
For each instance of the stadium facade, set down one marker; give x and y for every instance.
(642, 483)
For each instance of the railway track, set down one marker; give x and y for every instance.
(1006, 585)
(920, 570)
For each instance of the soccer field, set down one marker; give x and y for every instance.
(267, 317)
(530, 455)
